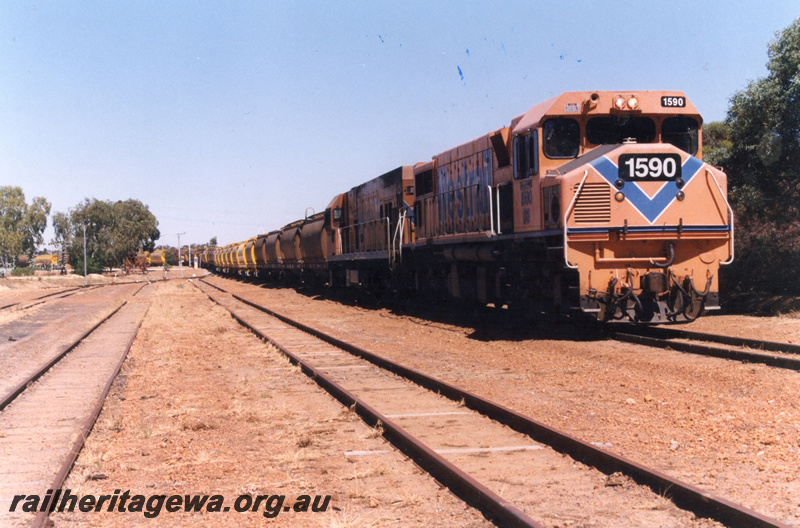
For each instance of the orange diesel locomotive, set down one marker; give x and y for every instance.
(591, 201)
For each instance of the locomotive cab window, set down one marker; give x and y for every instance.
(526, 155)
(562, 138)
(681, 131)
(618, 129)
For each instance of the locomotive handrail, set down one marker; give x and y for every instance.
(661, 262)
(397, 240)
(389, 245)
(566, 215)
(499, 227)
(491, 211)
(730, 214)
(371, 245)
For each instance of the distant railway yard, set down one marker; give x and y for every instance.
(278, 406)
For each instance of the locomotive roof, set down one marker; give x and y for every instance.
(575, 103)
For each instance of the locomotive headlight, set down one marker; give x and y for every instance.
(633, 102)
(619, 102)
(619, 196)
(680, 196)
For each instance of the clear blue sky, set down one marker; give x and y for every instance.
(230, 118)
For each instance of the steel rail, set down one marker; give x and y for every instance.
(41, 518)
(41, 298)
(684, 495)
(771, 360)
(758, 344)
(462, 484)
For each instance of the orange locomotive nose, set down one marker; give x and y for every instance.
(653, 253)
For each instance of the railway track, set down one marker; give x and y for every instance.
(46, 417)
(61, 293)
(29, 303)
(37, 338)
(369, 384)
(786, 356)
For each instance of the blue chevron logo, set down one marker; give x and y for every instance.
(650, 208)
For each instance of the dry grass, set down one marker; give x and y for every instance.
(12, 314)
(408, 497)
(297, 458)
(348, 519)
(113, 421)
(375, 432)
(281, 411)
(198, 425)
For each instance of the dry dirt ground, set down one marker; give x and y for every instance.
(203, 407)
(730, 428)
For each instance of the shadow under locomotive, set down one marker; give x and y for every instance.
(478, 322)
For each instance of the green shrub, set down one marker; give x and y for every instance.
(766, 260)
(93, 265)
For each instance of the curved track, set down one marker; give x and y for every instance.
(463, 484)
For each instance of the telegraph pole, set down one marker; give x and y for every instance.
(84, 255)
(180, 264)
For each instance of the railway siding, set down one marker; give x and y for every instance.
(36, 338)
(42, 427)
(203, 406)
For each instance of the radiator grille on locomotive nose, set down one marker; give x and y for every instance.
(594, 204)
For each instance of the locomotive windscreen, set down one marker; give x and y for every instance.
(613, 130)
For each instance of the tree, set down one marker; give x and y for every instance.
(21, 225)
(716, 143)
(213, 242)
(759, 147)
(135, 229)
(114, 231)
(61, 226)
(764, 124)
